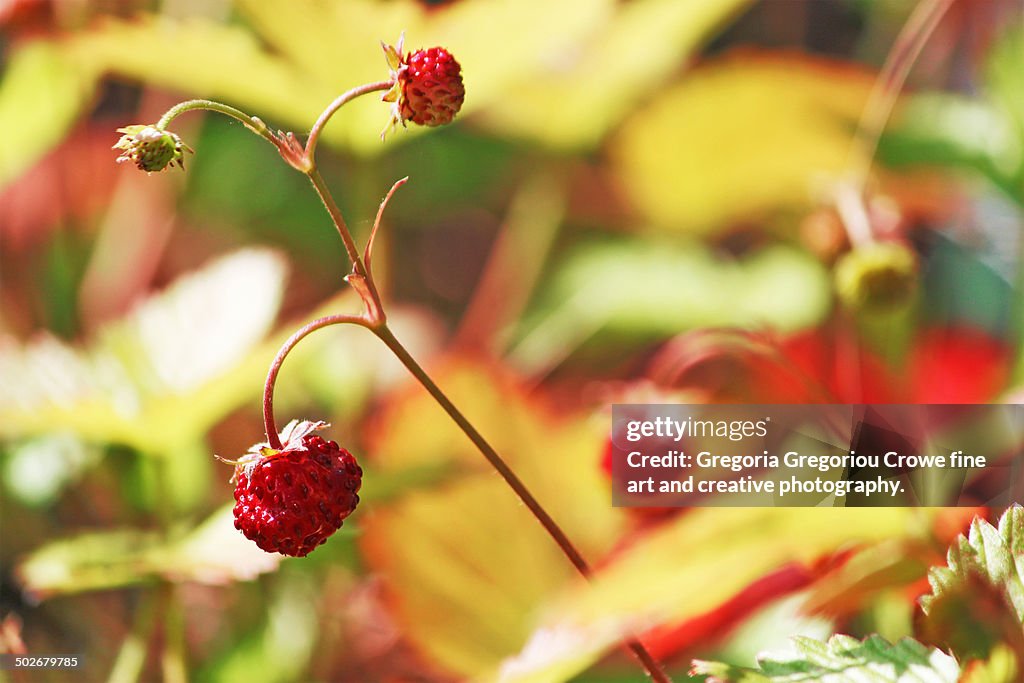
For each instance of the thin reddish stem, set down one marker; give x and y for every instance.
(368, 252)
(275, 367)
(333, 107)
(362, 283)
(374, 319)
(384, 333)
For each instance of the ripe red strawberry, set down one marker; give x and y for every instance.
(289, 501)
(428, 86)
(432, 90)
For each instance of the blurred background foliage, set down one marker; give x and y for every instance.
(642, 200)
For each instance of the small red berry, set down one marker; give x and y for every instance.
(289, 501)
(428, 87)
(432, 90)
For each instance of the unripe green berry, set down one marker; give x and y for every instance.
(150, 148)
(876, 278)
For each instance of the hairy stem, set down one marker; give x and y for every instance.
(251, 122)
(314, 132)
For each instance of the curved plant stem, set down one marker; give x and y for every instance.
(314, 132)
(251, 122)
(268, 387)
(375, 320)
(384, 333)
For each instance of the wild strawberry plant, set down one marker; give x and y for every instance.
(295, 490)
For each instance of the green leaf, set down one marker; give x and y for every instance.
(213, 553)
(687, 568)
(44, 89)
(1005, 77)
(160, 376)
(977, 601)
(698, 158)
(994, 554)
(629, 52)
(659, 289)
(843, 659)
(957, 132)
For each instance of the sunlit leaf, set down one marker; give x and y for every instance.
(36, 470)
(958, 132)
(872, 570)
(94, 561)
(42, 91)
(465, 563)
(591, 84)
(843, 658)
(740, 137)
(977, 600)
(686, 568)
(201, 57)
(213, 553)
(994, 554)
(653, 289)
(139, 382)
(1006, 84)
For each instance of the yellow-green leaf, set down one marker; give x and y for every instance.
(43, 90)
(212, 553)
(736, 138)
(157, 376)
(592, 83)
(694, 564)
(466, 564)
(660, 289)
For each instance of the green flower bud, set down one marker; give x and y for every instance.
(150, 148)
(876, 278)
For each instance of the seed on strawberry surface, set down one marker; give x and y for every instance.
(291, 500)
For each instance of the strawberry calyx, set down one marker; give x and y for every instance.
(291, 439)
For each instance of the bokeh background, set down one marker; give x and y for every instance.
(641, 201)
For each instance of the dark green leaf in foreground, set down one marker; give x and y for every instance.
(842, 659)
